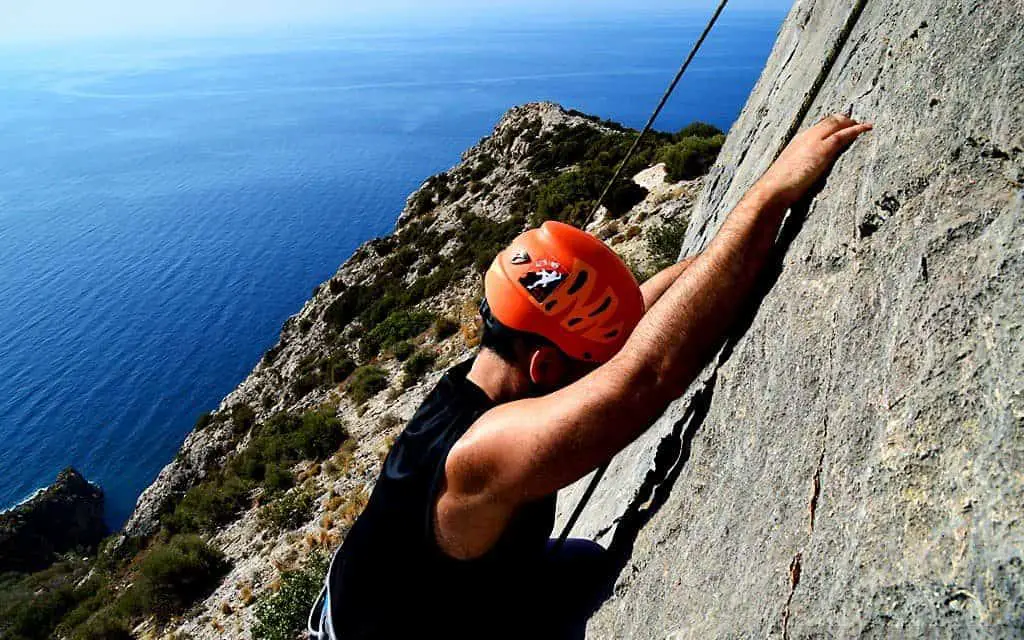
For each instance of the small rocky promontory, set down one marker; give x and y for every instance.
(65, 516)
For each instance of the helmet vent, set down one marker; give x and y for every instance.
(550, 305)
(575, 321)
(612, 334)
(581, 280)
(604, 307)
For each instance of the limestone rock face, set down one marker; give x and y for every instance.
(65, 516)
(851, 464)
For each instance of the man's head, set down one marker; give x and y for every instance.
(543, 366)
(557, 303)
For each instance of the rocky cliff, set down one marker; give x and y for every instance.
(850, 464)
(66, 516)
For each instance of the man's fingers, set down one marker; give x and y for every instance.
(843, 137)
(833, 123)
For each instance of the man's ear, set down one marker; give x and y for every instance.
(547, 367)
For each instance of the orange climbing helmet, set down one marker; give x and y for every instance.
(567, 286)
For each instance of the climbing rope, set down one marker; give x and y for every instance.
(618, 173)
(657, 110)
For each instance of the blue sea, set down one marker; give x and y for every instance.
(165, 205)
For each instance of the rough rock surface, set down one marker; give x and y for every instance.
(66, 516)
(850, 465)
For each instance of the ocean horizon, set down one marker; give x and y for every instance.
(166, 205)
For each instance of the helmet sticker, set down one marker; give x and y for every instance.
(543, 279)
(520, 257)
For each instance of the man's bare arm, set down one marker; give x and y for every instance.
(523, 450)
(653, 288)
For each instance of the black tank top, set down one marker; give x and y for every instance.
(391, 580)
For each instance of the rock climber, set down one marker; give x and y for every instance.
(576, 361)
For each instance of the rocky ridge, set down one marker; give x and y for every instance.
(65, 516)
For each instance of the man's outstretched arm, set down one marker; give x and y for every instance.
(523, 450)
(654, 287)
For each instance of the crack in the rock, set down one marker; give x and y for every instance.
(794, 580)
(816, 481)
(826, 69)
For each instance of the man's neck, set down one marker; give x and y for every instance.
(501, 381)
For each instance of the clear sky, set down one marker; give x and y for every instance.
(31, 21)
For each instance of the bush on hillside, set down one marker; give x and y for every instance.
(690, 157)
(208, 505)
(290, 511)
(699, 130)
(281, 615)
(204, 420)
(402, 350)
(275, 446)
(398, 326)
(664, 242)
(420, 363)
(242, 418)
(483, 168)
(105, 625)
(444, 328)
(623, 196)
(172, 576)
(339, 367)
(32, 605)
(366, 382)
(288, 438)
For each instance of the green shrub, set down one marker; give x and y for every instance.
(564, 147)
(75, 619)
(208, 505)
(282, 615)
(389, 421)
(105, 625)
(271, 355)
(445, 328)
(664, 242)
(366, 382)
(32, 605)
(277, 478)
(275, 446)
(422, 202)
(398, 326)
(287, 438)
(339, 367)
(690, 157)
(204, 420)
(623, 196)
(242, 417)
(173, 576)
(417, 365)
(483, 168)
(347, 306)
(305, 383)
(570, 196)
(699, 130)
(458, 190)
(290, 511)
(402, 350)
